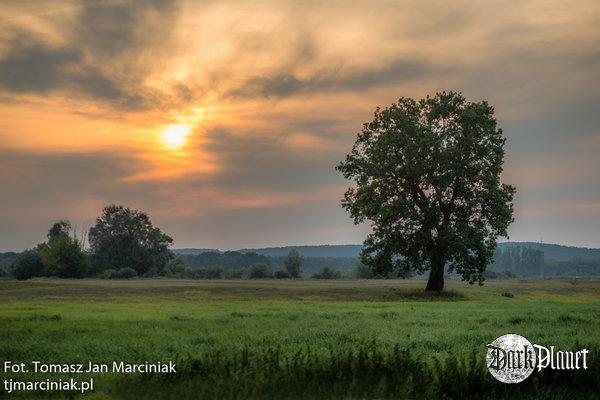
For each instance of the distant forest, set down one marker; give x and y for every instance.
(511, 259)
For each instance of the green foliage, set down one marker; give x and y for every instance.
(234, 274)
(126, 273)
(363, 271)
(282, 274)
(109, 273)
(63, 257)
(28, 265)
(122, 273)
(204, 273)
(123, 237)
(259, 271)
(427, 175)
(59, 229)
(293, 264)
(175, 268)
(327, 273)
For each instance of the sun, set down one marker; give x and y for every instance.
(175, 136)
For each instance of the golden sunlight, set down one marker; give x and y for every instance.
(175, 136)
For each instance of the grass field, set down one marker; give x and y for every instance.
(300, 339)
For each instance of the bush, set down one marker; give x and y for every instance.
(212, 273)
(108, 274)
(259, 271)
(204, 273)
(327, 273)
(234, 274)
(174, 268)
(282, 274)
(126, 273)
(28, 265)
(123, 273)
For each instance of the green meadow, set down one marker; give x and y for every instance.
(299, 339)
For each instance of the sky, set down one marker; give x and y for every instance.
(224, 120)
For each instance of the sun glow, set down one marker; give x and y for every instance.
(175, 136)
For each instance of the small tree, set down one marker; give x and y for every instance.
(123, 238)
(427, 176)
(259, 271)
(282, 274)
(293, 264)
(63, 255)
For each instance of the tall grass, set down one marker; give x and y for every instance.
(364, 373)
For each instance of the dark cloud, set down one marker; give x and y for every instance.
(47, 177)
(32, 66)
(286, 83)
(100, 59)
(256, 162)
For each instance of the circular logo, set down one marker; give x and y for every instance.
(511, 358)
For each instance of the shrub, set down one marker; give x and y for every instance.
(175, 268)
(28, 265)
(259, 271)
(204, 273)
(108, 274)
(282, 274)
(212, 273)
(126, 273)
(327, 273)
(123, 273)
(234, 274)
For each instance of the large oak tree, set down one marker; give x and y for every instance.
(427, 176)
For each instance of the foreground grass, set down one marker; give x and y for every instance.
(299, 332)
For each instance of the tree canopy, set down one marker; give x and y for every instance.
(123, 238)
(427, 177)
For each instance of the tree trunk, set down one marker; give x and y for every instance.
(435, 283)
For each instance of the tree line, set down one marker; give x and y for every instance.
(124, 244)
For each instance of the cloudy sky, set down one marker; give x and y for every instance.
(224, 120)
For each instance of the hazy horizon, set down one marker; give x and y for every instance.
(224, 121)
